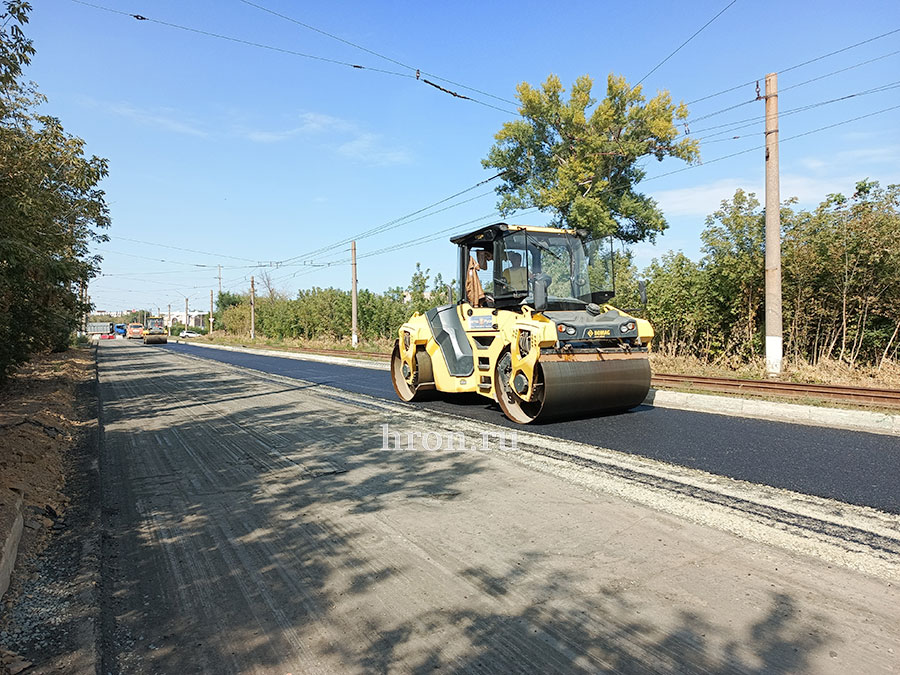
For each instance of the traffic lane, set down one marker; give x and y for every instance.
(848, 466)
(349, 378)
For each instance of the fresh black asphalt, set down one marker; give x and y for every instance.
(848, 466)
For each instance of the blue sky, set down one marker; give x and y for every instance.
(249, 156)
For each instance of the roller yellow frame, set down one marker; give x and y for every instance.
(533, 329)
(155, 332)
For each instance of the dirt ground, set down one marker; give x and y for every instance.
(41, 422)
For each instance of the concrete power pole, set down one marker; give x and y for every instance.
(353, 332)
(185, 313)
(170, 317)
(252, 309)
(774, 335)
(220, 280)
(211, 311)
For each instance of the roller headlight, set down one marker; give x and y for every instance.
(625, 327)
(561, 328)
(570, 330)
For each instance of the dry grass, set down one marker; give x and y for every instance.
(825, 372)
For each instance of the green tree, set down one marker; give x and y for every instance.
(51, 209)
(734, 265)
(580, 159)
(676, 307)
(224, 300)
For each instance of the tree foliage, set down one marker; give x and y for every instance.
(841, 282)
(326, 312)
(579, 158)
(51, 209)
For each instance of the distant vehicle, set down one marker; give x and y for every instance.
(155, 332)
(100, 327)
(120, 329)
(189, 334)
(135, 330)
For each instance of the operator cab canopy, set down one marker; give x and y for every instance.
(504, 265)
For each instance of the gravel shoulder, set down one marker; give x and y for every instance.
(255, 524)
(50, 453)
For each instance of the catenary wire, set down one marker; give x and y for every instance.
(375, 53)
(700, 30)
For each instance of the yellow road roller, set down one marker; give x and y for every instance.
(155, 332)
(532, 330)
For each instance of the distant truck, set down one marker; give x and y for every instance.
(135, 330)
(100, 328)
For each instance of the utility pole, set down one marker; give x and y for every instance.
(185, 313)
(220, 280)
(170, 316)
(252, 309)
(84, 313)
(774, 335)
(353, 332)
(211, 311)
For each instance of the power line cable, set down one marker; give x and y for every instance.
(798, 65)
(292, 52)
(402, 220)
(842, 70)
(752, 121)
(374, 53)
(783, 140)
(783, 89)
(700, 30)
(839, 51)
(180, 248)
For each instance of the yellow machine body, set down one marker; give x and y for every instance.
(155, 332)
(558, 361)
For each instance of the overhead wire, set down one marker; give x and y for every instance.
(402, 220)
(789, 87)
(181, 248)
(375, 53)
(700, 30)
(798, 65)
(249, 43)
(752, 121)
(283, 50)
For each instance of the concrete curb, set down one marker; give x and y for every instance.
(11, 545)
(790, 413)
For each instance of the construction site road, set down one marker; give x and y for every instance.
(256, 524)
(848, 466)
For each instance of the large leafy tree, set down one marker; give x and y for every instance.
(51, 209)
(580, 159)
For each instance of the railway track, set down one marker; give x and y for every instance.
(798, 392)
(885, 398)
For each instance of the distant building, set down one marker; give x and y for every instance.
(194, 319)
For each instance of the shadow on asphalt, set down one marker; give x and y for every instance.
(232, 519)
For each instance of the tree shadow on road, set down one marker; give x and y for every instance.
(248, 525)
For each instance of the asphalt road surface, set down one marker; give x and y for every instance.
(848, 466)
(254, 525)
